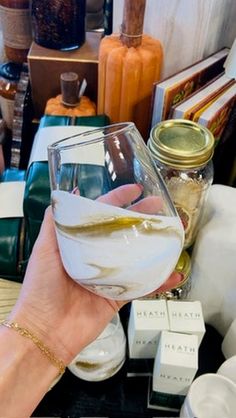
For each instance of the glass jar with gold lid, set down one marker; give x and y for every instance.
(183, 152)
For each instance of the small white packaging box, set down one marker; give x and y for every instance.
(146, 321)
(186, 317)
(176, 363)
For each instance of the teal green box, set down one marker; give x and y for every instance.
(37, 190)
(12, 237)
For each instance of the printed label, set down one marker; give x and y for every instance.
(16, 27)
(7, 109)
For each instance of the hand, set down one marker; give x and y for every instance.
(66, 316)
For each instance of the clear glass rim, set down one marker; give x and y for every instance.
(117, 128)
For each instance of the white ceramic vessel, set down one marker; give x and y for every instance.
(210, 396)
(104, 357)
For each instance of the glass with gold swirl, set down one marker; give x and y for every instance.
(104, 357)
(118, 232)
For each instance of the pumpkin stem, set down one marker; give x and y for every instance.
(69, 88)
(132, 25)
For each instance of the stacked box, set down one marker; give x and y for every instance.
(37, 190)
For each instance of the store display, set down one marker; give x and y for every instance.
(129, 64)
(16, 28)
(71, 101)
(169, 343)
(59, 24)
(183, 151)
(104, 357)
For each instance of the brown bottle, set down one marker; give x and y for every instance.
(16, 27)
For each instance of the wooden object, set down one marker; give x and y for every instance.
(129, 64)
(9, 292)
(188, 30)
(46, 66)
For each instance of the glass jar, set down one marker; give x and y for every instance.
(183, 152)
(59, 24)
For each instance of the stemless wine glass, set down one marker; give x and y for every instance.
(118, 232)
(104, 357)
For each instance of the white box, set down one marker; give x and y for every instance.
(186, 317)
(176, 363)
(147, 319)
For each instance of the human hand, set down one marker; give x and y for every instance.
(66, 316)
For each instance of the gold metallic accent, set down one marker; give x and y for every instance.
(86, 365)
(181, 143)
(42, 347)
(183, 267)
(104, 226)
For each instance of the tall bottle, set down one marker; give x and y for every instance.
(16, 27)
(59, 24)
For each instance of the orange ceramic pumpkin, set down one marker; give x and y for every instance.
(85, 107)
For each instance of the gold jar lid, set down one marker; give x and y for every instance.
(181, 143)
(183, 267)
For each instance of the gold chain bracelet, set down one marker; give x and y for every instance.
(42, 347)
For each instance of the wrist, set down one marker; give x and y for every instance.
(46, 351)
(49, 334)
(22, 366)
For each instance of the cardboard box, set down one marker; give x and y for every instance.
(147, 319)
(46, 65)
(176, 363)
(186, 317)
